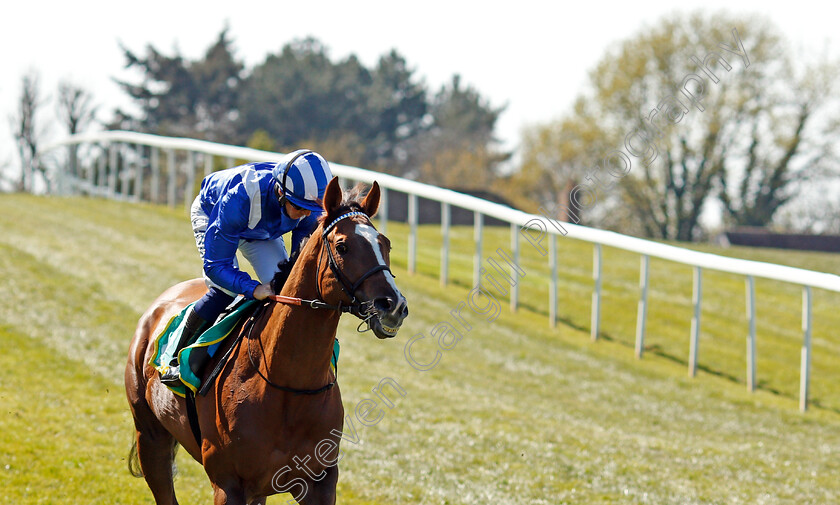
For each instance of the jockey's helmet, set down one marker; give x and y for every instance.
(302, 176)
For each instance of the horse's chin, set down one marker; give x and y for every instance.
(383, 331)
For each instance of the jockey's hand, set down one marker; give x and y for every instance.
(263, 291)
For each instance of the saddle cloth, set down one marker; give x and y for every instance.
(211, 339)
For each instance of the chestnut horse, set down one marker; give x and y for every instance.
(272, 420)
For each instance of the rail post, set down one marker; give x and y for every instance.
(155, 190)
(412, 236)
(596, 292)
(478, 224)
(171, 173)
(552, 290)
(188, 188)
(805, 365)
(750, 284)
(514, 245)
(696, 298)
(445, 220)
(641, 316)
(112, 169)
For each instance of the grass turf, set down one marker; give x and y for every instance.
(516, 412)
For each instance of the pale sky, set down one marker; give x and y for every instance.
(533, 56)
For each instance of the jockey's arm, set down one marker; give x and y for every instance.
(221, 242)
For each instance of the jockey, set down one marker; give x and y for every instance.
(248, 208)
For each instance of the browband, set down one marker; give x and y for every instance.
(339, 218)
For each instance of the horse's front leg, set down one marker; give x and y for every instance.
(322, 492)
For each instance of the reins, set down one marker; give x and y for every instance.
(313, 304)
(274, 384)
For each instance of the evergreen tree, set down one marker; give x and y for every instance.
(183, 98)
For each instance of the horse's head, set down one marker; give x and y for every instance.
(359, 260)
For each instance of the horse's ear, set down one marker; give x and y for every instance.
(371, 202)
(332, 196)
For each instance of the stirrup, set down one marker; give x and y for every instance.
(172, 377)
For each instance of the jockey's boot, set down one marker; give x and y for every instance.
(193, 324)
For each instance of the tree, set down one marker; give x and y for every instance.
(301, 95)
(459, 148)
(75, 107)
(381, 118)
(462, 113)
(786, 146)
(76, 111)
(218, 76)
(554, 157)
(27, 134)
(184, 98)
(701, 107)
(397, 103)
(166, 94)
(817, 215)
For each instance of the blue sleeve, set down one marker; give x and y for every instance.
(304, 229)
(227, 221)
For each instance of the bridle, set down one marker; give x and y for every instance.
(355, 307)
(347, 286)
(362, 310)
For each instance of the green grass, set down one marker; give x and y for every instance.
(517, 412)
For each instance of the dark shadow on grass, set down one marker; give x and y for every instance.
(658, 351)
(817, 403)
(606, 337)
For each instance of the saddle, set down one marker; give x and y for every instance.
(208, 341)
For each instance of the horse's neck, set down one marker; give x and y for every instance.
(297, 340)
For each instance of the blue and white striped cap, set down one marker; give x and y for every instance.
(307, 175)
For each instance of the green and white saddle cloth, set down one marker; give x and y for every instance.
(209, 341)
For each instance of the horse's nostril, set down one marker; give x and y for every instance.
(384, 304)
(405, 311)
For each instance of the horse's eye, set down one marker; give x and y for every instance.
(341, 248)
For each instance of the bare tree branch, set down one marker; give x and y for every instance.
(26, 132)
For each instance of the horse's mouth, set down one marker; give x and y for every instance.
(382, 330)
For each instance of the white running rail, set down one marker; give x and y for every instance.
(124, 151)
